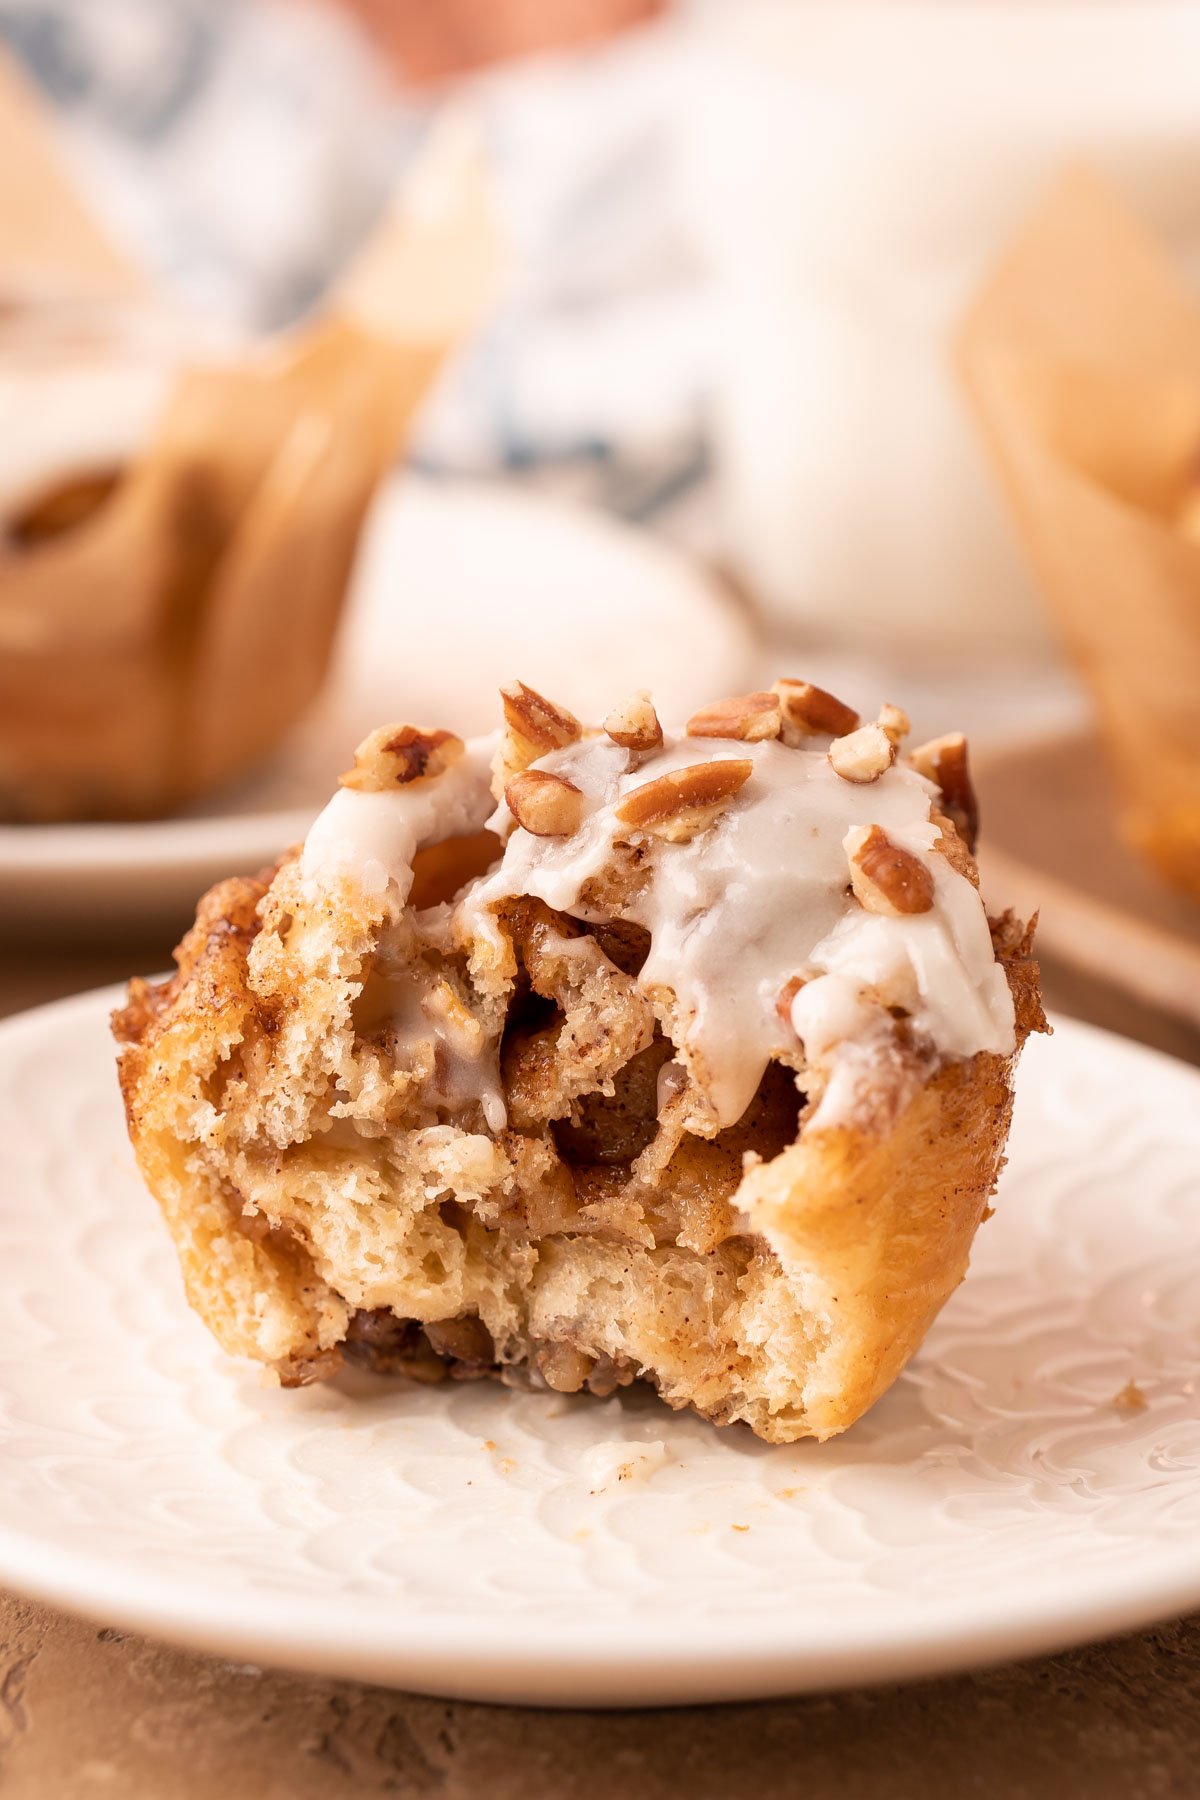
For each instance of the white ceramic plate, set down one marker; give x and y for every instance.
(459, 588)
(465, 1540)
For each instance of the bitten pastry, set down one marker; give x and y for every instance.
(583, 1057)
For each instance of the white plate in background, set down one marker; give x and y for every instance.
(460, 587)
(1032, 1480)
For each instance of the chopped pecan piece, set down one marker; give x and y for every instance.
(750, 717)
(944, 761)
(537, 720)
(885, 878)
(395, 755)
(809, 711)
(635, 725)
(546, 805)
(379, 1341)
(465, 1340)
(563, 1367)
(678, 805)
(533, 726)
(862, 755)
(895, 722)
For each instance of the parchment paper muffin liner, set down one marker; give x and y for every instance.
(1081, 358)
(162, 645)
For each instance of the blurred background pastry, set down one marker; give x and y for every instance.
(716, 382)
(84, 384)
(179, 517)
(1082, 357)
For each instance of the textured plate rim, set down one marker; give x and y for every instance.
(572, 1666)
(155, 845)
(644, 1663)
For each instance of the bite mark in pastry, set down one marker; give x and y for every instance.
(583, 1057)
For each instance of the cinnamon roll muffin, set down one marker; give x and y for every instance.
(582, 1057)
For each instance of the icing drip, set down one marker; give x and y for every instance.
(762, 896)
(734, 914)
(424, 1015)
(373, 837)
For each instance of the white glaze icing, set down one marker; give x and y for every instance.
(374, 837)
(762, 896)
(759, 897)
(827, 1011)
(421, 1013)
(938, 965)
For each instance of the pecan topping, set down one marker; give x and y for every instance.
(944, 760)
(862, 755)
(678, 805)
(750, 717)
(465, 1340)
(395, 755)
(544, 726)
(895, 722)
(635, 725)
(564, 1368)
(533, 726)
(808, 711)
(885, 878)
(546, 805)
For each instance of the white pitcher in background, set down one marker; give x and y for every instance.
(853, 168)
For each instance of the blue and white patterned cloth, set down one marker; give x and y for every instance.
(244, 148)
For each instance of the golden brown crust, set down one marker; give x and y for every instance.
(1012, 939)
(889, 1219)
(205, 1006)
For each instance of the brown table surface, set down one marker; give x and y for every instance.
(89, 1712)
